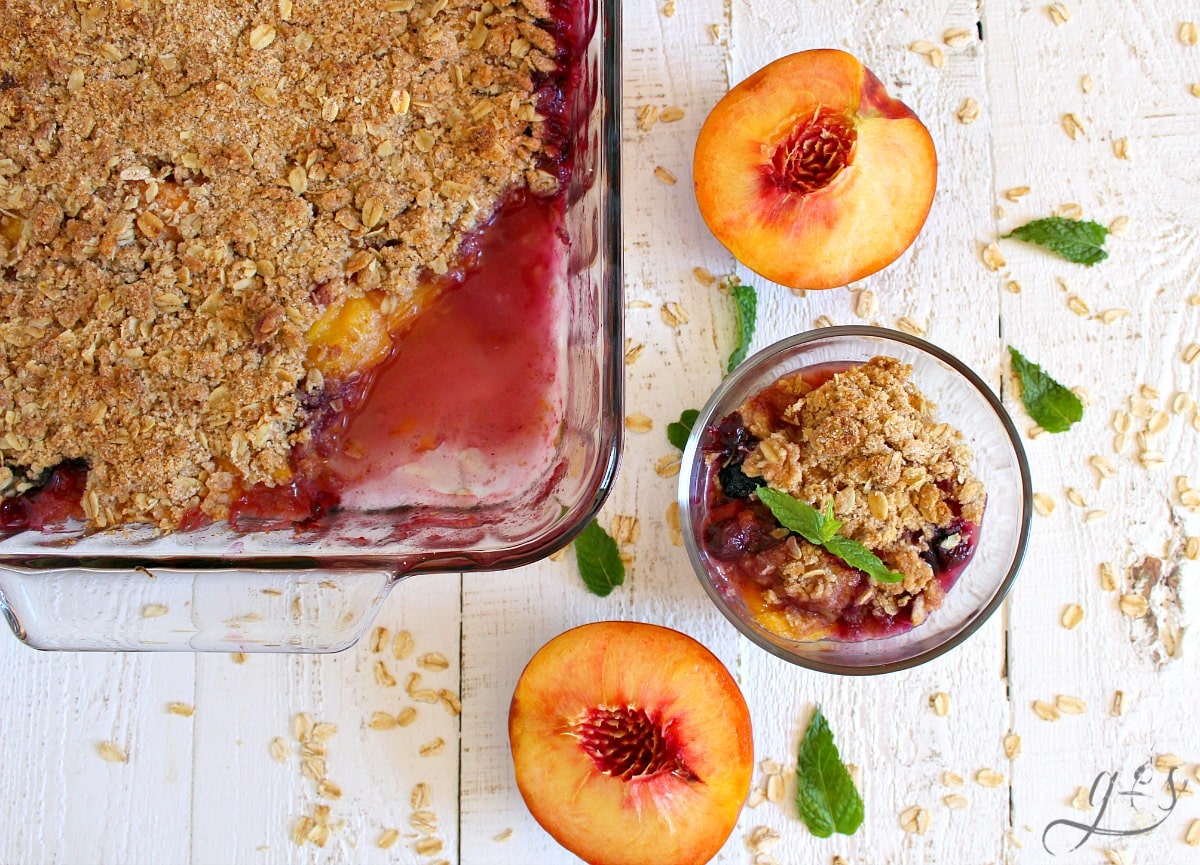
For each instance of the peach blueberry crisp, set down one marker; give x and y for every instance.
(211, 213)
(863, 440)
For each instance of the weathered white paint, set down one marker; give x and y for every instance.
(205, 791)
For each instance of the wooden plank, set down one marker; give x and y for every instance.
(63, 802)
(667, 62)
(1139, 73)
(241, 708)
(941, 284)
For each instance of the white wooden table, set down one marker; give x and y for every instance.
(205, 790)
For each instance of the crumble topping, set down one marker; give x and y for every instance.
(185, 187)
(869, 442)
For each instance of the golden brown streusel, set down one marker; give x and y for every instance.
(870, 443)
(185, 187)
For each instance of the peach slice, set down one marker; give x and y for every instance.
(357, 333)
(352, 335)
(811, 175)
(632, 744)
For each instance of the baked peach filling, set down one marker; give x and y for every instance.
(353, 335)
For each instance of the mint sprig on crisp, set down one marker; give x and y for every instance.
(599, 560)
(821, 529)
(745, 307)
(678, 431)
(1052, 406)
(826, 796)
(1077, 240)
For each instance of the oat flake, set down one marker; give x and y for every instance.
(673, 314)
(639, 423)
(421, 797)
(1118, 703)
(434, 661)
(381, 721)
(1046, 711)
(957, 37)
(665, 176)
(1134, 606)
(866, 305)
(988, 778)
(775, 789)
(379, 638)
(433, 747)
(1070, 705)
(1072, 126)
(993, 259)
(1167, 762)
(1072, 615)
(940, 702)
(914, 820)
(1192, 836)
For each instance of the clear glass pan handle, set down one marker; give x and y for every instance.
(203, 610)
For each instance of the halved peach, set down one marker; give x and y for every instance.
(811, 175)
(632, 745)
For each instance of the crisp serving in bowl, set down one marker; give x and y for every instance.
(855, 500)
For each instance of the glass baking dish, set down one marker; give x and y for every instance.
(317, 590)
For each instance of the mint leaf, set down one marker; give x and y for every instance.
(1075, 240)
(1049, 403)
(745, 306)
(821, 529)
(856, 555)
(830, 526)
(599, 560)
(793, 514)
(678, 431)
(825, 793)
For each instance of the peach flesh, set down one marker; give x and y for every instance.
(811, 175)
(631, 745)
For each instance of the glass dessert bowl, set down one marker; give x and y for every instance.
(898, 506)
